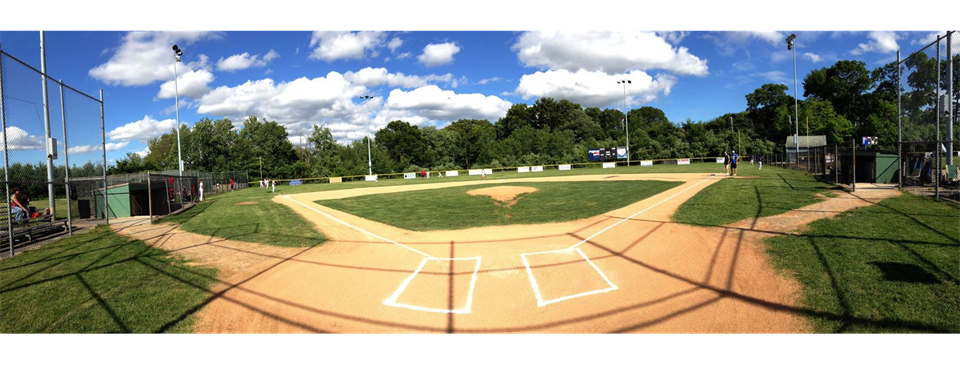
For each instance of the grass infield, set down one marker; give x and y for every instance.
(453, 208)
(100, 282)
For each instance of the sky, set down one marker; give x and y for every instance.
(426, 77)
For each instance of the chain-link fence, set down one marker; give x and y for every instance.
(46, 145)
(927, 105)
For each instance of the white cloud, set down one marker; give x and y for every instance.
(142, 130)
(438, 54)
(394, 44)
(244, 61)
(430, 102)
(775, 76)
(610, 52)
(192, 84)
(487, 81)
(815, 58)
(146, 57)
(880, 42)
(673, 37)
(19, 140)
(332, 46)
(772, 37)
(371, 77)
(595, 88)
(404, 55)
(929, 38)
(110, 146)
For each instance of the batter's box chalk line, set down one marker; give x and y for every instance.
(392, 300)
(536, 288)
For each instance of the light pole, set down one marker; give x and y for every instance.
(177, 53)
(796, 110)
(626, 119)
(369, 162)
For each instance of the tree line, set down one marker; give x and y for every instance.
(842, 101)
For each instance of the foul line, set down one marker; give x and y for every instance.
(358, 228)
(536, 288)
(392, 300)
(634, 215)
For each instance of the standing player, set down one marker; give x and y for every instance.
(726, 163)
(201, 189)
(733, 163)
(760, 162)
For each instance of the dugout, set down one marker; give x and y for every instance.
(872, 166)
(133, 199)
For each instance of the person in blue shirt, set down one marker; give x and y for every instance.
(733, 163)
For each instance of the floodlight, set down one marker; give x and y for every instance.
(790, 41)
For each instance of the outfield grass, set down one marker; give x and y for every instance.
(100, 282)
(263, 221)
(453, 208)
(890, 267)
(761, 193)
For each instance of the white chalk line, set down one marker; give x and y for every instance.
(392, 300)
(637, 213)
(536, 288)
(358, 228)
(533, 281)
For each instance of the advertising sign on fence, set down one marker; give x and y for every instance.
(536, 169)
(593, 154)
(296, 182)
(452, 173)
(609, 165)
(523, 169)
(336, 180)
(564, 167)
(646, 163)
(475, 172)
(719, 159)
(410, 175)
(488, 171)
(371, 177)
(621, 152)
(683, 161)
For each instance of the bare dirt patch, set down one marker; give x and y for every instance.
(247, 203)
(507, 195)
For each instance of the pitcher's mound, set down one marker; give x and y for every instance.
(503, 193)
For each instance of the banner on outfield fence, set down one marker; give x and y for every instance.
(609, 165)
(719, 159)
(336, 180)
(621, 152)
(646, 163)
(296, 182)
(523, 169)
(683, 161)
(564, 167)
(475, 172)
(537, 169)
(409, 175)
(488, 171)
(371, 178)
(452, 173)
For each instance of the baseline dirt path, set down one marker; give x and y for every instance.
(630, 270)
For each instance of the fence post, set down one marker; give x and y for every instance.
(66, 160)
(6, 160)
(103, 141)
(150, 197)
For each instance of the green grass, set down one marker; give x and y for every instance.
(264, 222)
(773, 191)
(100, 282)
(453, 208)
(890, 267)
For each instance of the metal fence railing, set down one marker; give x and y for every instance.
(46, 145)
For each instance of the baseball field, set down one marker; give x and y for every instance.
(680, 249)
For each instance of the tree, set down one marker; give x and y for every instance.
(843, 85)
(404, 144)
(267, 140)
(475, 139)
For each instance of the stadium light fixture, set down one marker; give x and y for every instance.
(369, 162)
(626, 119)
(178, 53)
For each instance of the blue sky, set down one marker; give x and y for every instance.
(425, 77)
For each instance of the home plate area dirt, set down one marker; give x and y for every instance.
(629, 270)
